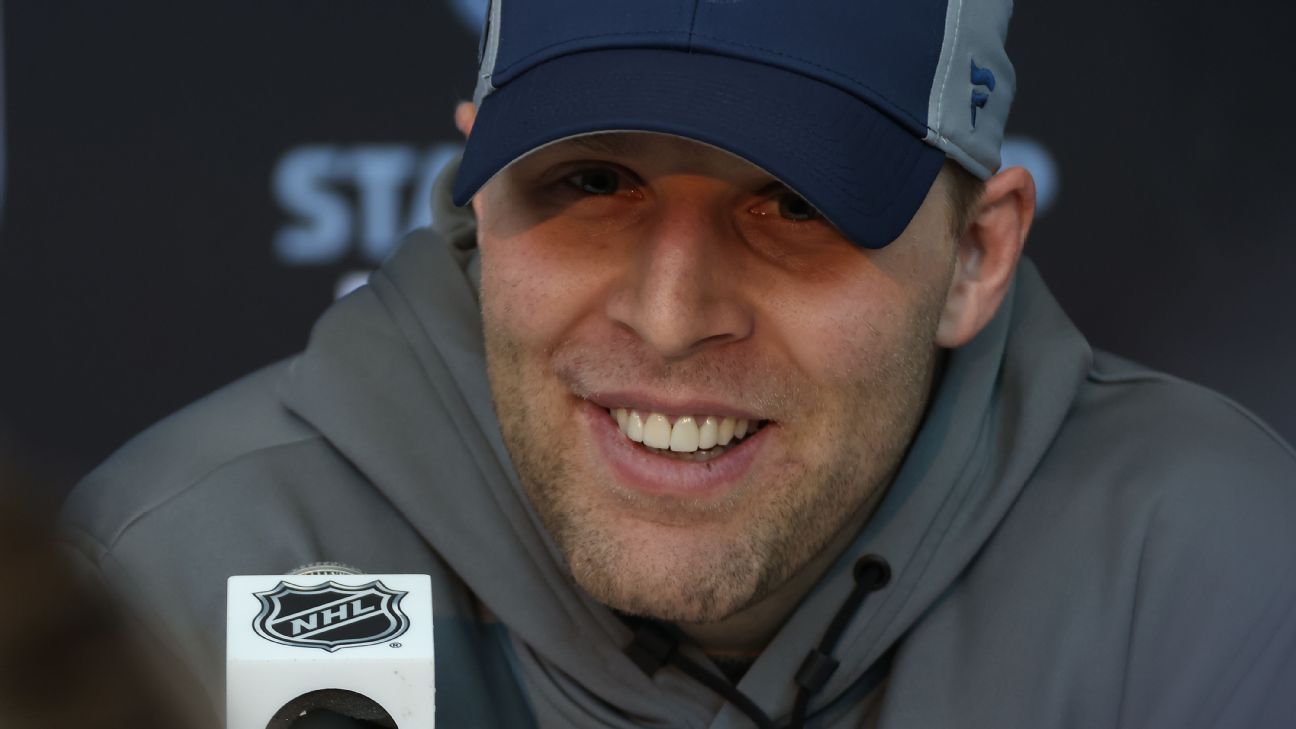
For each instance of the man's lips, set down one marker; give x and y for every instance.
(638, 468)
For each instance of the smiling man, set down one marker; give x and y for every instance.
(722, 400)
(689, 332)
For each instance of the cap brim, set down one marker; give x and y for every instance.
(866, 172)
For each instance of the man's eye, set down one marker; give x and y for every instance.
(596, 181)
(794, 207)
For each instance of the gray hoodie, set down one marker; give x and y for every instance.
(1075, 541)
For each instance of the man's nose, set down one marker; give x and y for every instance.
(683, 290)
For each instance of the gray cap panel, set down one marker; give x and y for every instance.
(489, 53)
(974, 85)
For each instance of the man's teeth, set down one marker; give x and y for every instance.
(709, 433)
(687, 434)
(634, 427)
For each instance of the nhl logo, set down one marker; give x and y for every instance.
(330, 616)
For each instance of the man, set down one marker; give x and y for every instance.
(730, 405)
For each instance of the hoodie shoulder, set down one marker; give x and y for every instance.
(180, 451)
(1213, 491)
(236, 484)
(1186, 460)
(1146, 565)
(1204, 439)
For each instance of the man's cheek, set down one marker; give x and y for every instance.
(527, 299)
(829, 355)
(508, 298)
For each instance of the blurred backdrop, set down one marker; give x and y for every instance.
(185, 186)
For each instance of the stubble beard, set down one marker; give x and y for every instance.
(763, 535)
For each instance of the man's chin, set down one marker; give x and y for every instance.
(680, 578)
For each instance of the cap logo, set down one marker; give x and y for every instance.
(330, 616)
(980, 77)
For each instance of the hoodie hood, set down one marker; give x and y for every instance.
(395, 378)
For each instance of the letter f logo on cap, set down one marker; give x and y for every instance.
(980, 77)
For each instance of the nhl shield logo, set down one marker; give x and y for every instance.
(330, 616)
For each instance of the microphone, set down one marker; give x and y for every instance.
(329, 649)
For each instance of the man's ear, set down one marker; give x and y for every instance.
(464, 114)
(988, 252)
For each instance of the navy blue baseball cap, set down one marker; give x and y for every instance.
(854, 104)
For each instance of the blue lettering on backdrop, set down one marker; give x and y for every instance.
(302, 180)
(1035, 157)
(471, 14)
(362, 198)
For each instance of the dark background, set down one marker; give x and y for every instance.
(186, 186)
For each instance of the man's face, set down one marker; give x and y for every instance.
(668, 279)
